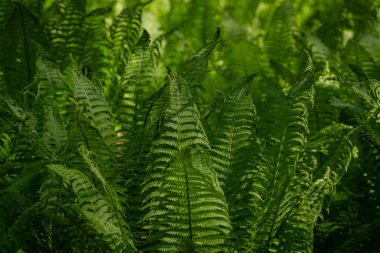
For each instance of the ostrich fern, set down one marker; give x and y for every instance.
(102, 151)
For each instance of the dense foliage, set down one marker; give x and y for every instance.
(189, 126)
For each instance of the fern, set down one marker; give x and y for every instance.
(136, 86)
(231, 154)
(51, 85)
(280, 43)
(17, 62)
(93, 105)
(95, 157)
(95, 58)
(94, 208)
(297, 233)
(66, 32)
(286, 164)
(125, 32)
(196, 68)
(178, 178)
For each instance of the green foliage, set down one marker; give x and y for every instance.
(101, 150)
(188, 207)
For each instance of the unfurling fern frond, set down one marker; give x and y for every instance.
(186, 209)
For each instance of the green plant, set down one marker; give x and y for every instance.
(251, 140)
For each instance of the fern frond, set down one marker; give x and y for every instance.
(94, 208)
(55, 135)
(5, 12)
(235, 131)
(95, 55)
(15, 236)
(125, 32)
(136, 86)
(279, 41)
(178, 177)
(53, 91)
(22, 125)
(66, 31)
(297, 232)
(358, 55)
(17, 44)
(48, 78)
(288, 165)
(176, 214)
(93, 105)
(112, 192)
(195, 69)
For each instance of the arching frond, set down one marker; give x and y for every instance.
(287, 167)
(53, 90)
(235, 132)
(93, 105)
(95, 54)
(125, 32)
(195, 69)
(279, 40)
(179, 175)
(232, 156)
(135, 87)
(296, 234)
(66, 31)
(94, 208)
(20, 33)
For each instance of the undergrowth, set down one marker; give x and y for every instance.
(189, 126)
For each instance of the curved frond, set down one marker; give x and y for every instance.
(195, 70)
(136, 85)
(93, 105)
(289, 174)
(66, 31)
(296, 234)
(20, 33)
(235, 132)
(125, 32)
(232, 155)
(94, 208)
(186, 206)
(279, 41)
(95, 54)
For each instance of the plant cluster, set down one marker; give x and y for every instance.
(189, 126)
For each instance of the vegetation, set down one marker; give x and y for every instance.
(189, 126)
